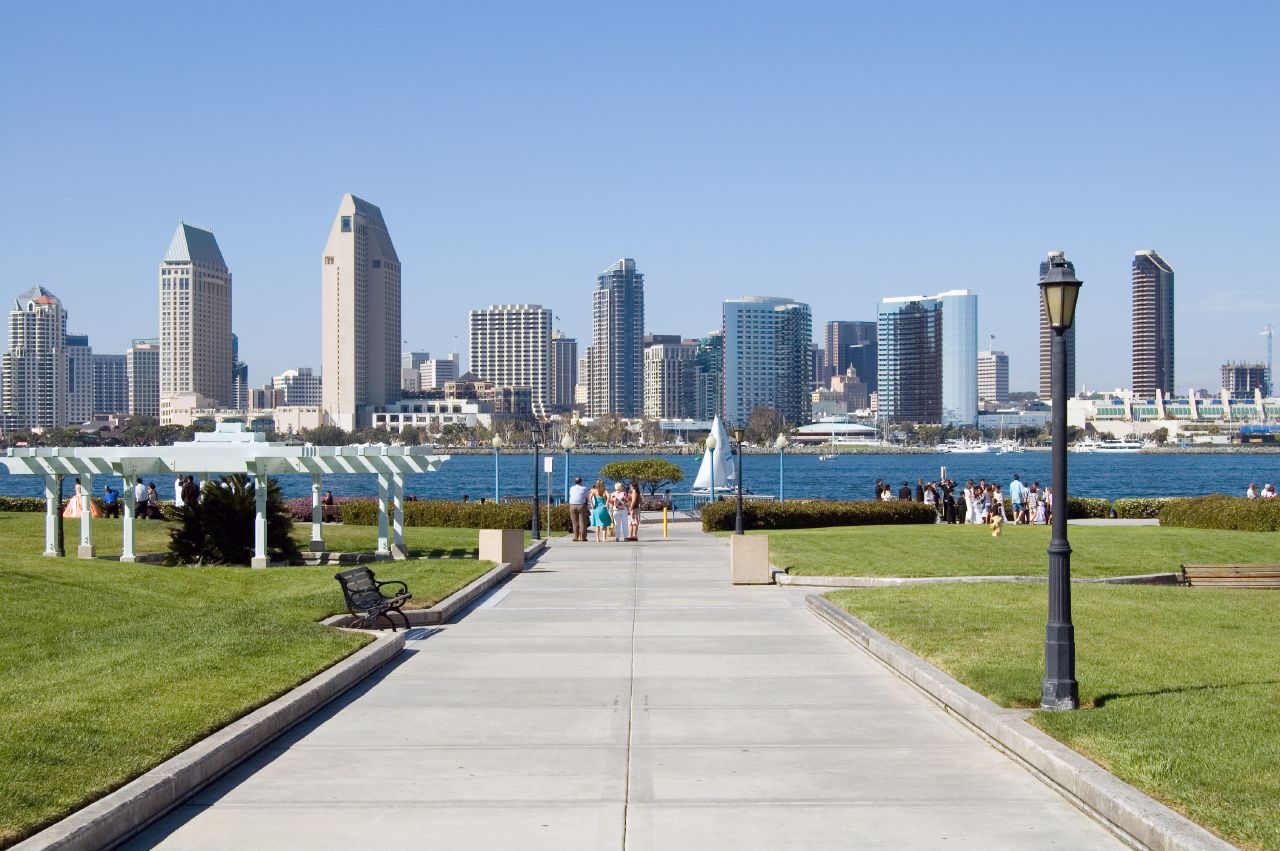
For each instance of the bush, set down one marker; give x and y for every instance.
(456, 515)
(300, 509)
(809, 514)
(219, 529)
(22, 503)
(1219, 511)
(1080, 507)
(1144, 508)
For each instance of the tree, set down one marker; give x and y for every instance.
(411, 436)
(764, 425)
(652, 473)
(219, 528)
(608, 429)
(651, 432)
(1160, 436)
(325, 435)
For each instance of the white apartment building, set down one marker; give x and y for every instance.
(510, 346)
(297, 387)
(110, 384)
(195, 317)
(360, 315)
(34, 366)
(431, 415)
(993, 377)
(669, 380)
(434, 372)
(767, 359)
(142, 363)
(79, 379)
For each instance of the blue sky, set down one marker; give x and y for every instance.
(830, 152)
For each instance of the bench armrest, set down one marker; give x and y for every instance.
(404, 589)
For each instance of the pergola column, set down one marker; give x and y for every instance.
(384, 547)
(397, 525)
(260, 518)
(317, 516)
(52, 505)
(86, 549)
(126, 526)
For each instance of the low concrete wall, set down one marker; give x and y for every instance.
(895, 581)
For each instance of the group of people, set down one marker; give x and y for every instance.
(1268, 491)
(978, 502)
(602, 510)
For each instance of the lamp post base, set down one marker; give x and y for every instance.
(1056, 695)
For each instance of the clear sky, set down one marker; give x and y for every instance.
(834, 153)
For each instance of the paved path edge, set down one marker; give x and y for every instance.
(119, 815)
(781, 577)
(1135, 816)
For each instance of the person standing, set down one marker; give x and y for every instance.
(178, 501)
(1252, 491)
(621, 513)
(904, 492)
(949, 501)
(142, 510)
(600, 511)
(153, 502)
(879, 487)
(578, 509)
(919, 490)
(111, 502)
(1018, 496)
(633, 506)
(190, 493)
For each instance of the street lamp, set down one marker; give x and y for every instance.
(497, 451)
(537, 532)
(567, 443)
(737, 523)
(1059, 287)
(711, 447)
(781, 444)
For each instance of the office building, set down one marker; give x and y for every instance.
(708, 365)
(434, 372)
(1240, 380)
(110, 384)
(360, 315)
(1152, 324)
(411, 371)
(864, 361)
(34, 365)
(1046, 337)
(767, 358)
(993, 378)
(564, 371)
(142, 363)
(296, 387)
(239, 378)
(840, 339)
(928, 358)
(195, 318)
(510, 346)
(616, 383)
(669, 378)
(79, 379)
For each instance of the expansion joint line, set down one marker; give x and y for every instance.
(631, 695)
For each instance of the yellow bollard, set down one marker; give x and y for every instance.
(664, 522)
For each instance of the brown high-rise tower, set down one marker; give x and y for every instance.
(1152, 324)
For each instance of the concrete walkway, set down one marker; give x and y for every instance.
(627, 696)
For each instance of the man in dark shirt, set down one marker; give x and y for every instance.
(919, 490)
(190, 493)
(904, 493)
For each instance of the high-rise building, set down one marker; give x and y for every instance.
(564, 370)
(79, 379)
(510, 346)
(360, 315)
(35, 364)
(239, 378)
(1240, 380)
(993, 378)
(1046, 336)
(434, 372)
(818, 373)
(669, 379)
(617, 346)
(142, 362)
(864, 359)
(841, 337)
(195, 318)
(708, 365)
(110, 384)
(928, 358)
(298, 386)
(1152, 324)
(767, 358)
(411, 370)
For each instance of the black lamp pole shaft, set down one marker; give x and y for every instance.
(537, 531)
(1060, 690)
(62, 548)
(737, 523)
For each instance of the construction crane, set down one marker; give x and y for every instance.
(1268, 334)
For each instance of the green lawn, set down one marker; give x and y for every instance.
(107, 669)
(1182, 686)
(971, 551)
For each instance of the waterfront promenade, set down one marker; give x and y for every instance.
(627, 696)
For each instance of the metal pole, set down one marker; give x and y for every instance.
(537, 531)
(737, 523)
(1059, 690)
(566, 475)
(781, 453)
(62, 550)
(711, 493)
(496, 453)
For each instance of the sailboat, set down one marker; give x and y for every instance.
(724, 472)
(832, 455)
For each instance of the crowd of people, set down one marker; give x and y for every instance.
(1268, 491)
(614, 515)
(977, 502)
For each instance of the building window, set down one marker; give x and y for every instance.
(346, 224)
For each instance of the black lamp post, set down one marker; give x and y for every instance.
(737, 523)
(61, 541)
(1059, 288)
(537, 532)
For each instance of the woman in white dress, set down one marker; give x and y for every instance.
(621, 512)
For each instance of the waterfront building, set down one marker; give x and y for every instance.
(1152, 324)
(110, 384)
(1046, 336)
(431, 415)
(708, 379)
(142, 363)
(510, 346)
(928, 358)
(195, 317)
(411, 371)
(34, 365)
(79, 379)
(767, 358)
(564, 371)
(360, 315)
(1241, 380)
(993, 378)
(1194, 416)
(669, 378)
(616, 383)
(297, 387)
(434, 372)
(841, 337)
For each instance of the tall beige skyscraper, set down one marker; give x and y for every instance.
(195, 319)
(34, 367)
(360, 318)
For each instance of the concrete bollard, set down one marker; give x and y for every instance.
(749, 560)
(503, 545)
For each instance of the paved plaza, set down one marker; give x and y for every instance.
(627, 696)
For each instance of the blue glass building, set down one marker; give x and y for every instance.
(927, 358)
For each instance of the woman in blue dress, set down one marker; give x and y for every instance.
(600, 517)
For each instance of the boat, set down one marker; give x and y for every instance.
(966, 447)
(1108, 447)
(724, 474)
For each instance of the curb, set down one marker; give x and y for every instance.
(1135, 816)
(116, 817)
(783, 578)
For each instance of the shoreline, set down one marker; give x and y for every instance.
(840, 450)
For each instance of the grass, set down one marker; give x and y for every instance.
(107, 669)
(945, 550)
(1181, 686)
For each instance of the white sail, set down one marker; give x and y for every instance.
(724, 470)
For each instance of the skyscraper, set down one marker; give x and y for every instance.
(411, 370)
(767, 358)
(1046, 338)
(34, 366)
(928, 358)
(360, 315)
(79, 379)
(510, 345)
(564, 370)
(708, 365)
(669, 379)
(1240, 380)
(617, 346)
(434, 372)
(110, 384)
(239, 378)
(841, 337)
(195, 318)
(1152, 324)
(296, 387)
(993, 378)
(142, 362)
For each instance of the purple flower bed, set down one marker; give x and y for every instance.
(300, 509)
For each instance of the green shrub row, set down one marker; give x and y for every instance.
(1082, 507)
(459, 515)
(1142, 508)
(808, 514)
(22, 503)
(1219, 511)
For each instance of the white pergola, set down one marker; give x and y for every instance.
(227, 450)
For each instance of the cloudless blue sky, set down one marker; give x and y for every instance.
(830, 152)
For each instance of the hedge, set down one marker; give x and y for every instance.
(22, 503)
(457, 515)
(1219, 511)
(808, 514)
(1143, 508)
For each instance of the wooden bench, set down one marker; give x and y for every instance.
(1232, 575)
(366, 600)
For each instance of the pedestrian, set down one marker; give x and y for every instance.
(111, 502)
(141, 510)
(1268, 491)
(153, 502)
(189, 493)
(949, 502)
(177, 492)
(997, 497)
(578, 509)
(621, 513)
(919, 490)
(1251, 492)
(467, 498)
(970, 502)
(931, 500)
(633, 506)
(1018, 496)
(879, 488)
(904, 492)
(1047, 503)
(600, 518)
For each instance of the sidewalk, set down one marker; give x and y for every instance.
(627, 696)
